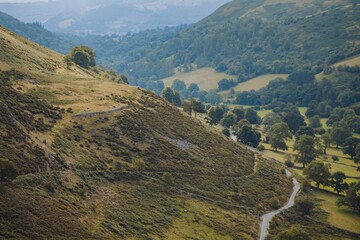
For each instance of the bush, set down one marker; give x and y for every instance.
(274, 203)
(294, 233)
(289, 163)
(8, 171)
(304, 205)
(306, 185)
(168, 178)
(261, 148)
(335, 158)
(226, 132)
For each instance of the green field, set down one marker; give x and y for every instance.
(339, 217)
(206, 78)
(256, 83)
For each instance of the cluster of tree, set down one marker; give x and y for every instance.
(300, 88)
(319, 172)
(342, 68)
(81, 55)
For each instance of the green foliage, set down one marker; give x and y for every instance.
(305, 146)
(337, 182)
(83, 56)
(215, 114)
(226, 132)
(289, 163)
(226, 84)
(252, 116)
(168, 178)
(229, 119)
(318, 172)
(171, 96)
(278, 134)
(248, 136)
(294, 233)
(269, 120)
(352, 198)
(338, 135)
(8, 171)
(314, 122)
(260, 148)
(304, 205)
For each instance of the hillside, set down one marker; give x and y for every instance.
(103, 160)
(244, 38)
(35, 32)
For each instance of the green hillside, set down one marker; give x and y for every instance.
(36, 33)
(244, 38)
(103, 160)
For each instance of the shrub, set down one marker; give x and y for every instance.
(274, 203)
(335, 158)
(226, 132)
(304, 205)
(289, 163)
(305, 185)
(168, 178)
(294, 233)
(8, 171)
(261, 148)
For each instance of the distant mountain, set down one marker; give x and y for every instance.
(114, 16)
(35, 32)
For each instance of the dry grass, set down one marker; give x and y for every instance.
(206, 78)
(353, 61)
(256, 83)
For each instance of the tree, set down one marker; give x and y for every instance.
(179, 86)
(229, 119)
(294, 233)
(301, 77)
(270, 119)
(305, 130)
(239, 112)
(305, 146)
(225, 84)
(8, 171)
(352, 198)
(171, 96)
(82, 56)
(193, 89)
(326, 140)
(252, 116)
(248, 136)
(318, 172)
(215, 114)
(294, 121)
(350, 146)
(339, 134)
(357, 153)
(337, 182)
(278, 133)
(314, 122)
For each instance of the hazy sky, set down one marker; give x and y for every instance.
(21, 1)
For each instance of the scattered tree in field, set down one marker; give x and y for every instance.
(179, 86)
(248, 136)
(294, 121)
(337, 182)
(294, 233)
(82, 56)
(229, 119)
(278, 134)
(338, 135)
(304, 205)
(252, 116)
(171, 96)
(352, 198)
(215, 114)
(357, 153)
(226, 84)
(193, 90)
(305, 130)
(305, 146)
(350, 146)
(8, 171)
(269, 120)
(326, 141)
(318, 172)
(239, 112)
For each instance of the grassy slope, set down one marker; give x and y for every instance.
(101, 177)
(206, 78)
